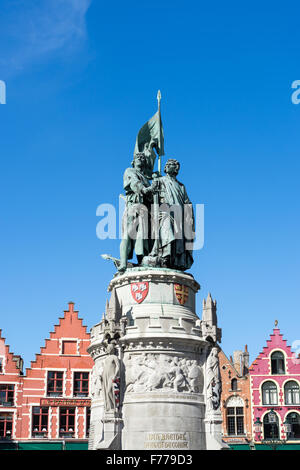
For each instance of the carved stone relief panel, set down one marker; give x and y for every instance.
(150, 371)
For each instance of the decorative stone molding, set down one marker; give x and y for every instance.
(165, 396)
(162, 343)
(154, 275)
(96, 350)
(235, 401)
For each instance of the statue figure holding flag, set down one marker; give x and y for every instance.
(135, 225)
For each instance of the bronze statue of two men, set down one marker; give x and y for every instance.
(158, 223)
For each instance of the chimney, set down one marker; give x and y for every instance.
(245, 361)
(19, 363)
(237, 361)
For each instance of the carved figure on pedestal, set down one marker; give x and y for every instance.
(96, 380)
(111, 370)
(213, 380)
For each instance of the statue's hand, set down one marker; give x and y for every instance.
(147, 190)
(151, 189)
(155, 185)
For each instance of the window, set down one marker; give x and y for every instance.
(81, 384)
(69, 348)
(277, 363)
(269, 393)
(88, 420)
(39, 421)
(294, 420)
(6, 425)
(55, 384)
(235, 421)
(234, 384)
(1, 365)
(271, 428)
(291, 393)
(7, 394)
(66, 422)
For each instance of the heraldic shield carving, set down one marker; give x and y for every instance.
(139, 291)
(182, 293)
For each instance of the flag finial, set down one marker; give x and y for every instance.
(158, 98)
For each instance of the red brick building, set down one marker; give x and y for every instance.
(236, 398)
(52, 401)
(11, 384)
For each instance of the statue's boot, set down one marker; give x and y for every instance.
(122, 268)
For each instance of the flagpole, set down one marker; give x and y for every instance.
(155, 248)
(159, 115)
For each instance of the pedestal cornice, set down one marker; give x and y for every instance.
(154, 275)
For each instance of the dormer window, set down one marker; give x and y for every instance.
(277, 363)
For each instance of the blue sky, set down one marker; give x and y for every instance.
(82, 78)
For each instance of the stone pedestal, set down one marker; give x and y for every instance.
(111, 438)
(163, 354)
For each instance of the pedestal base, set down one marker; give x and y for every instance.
(111, 433)
(163, 355)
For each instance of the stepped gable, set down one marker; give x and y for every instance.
(10, 362)
(64, 353)
(61, 342)
(276, 341)
(11, 380)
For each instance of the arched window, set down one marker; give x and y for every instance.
(271, 427)
(269, 393)
(234, 384)
(292, 393)
(294, 420)
(277, 363)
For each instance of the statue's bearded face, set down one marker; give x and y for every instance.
(139, 161)
(172, 167)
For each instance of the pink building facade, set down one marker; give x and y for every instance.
(275, 387)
